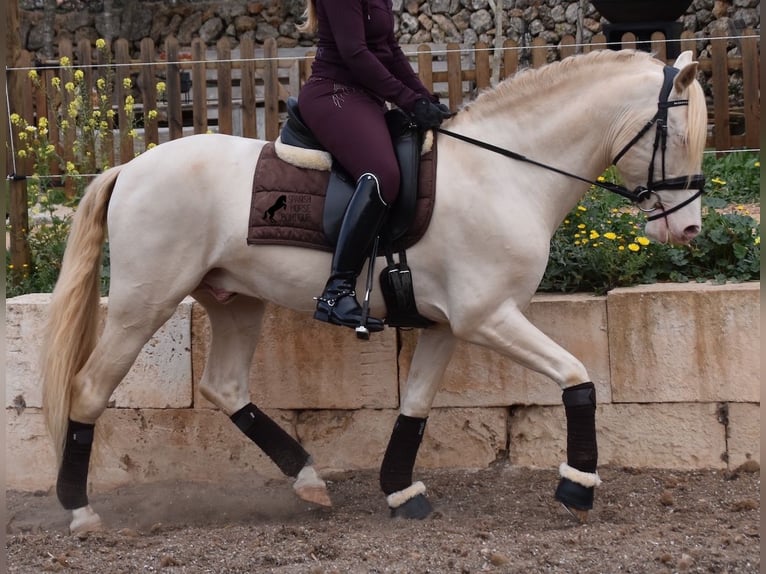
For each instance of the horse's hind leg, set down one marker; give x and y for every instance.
(122, 339)
(234, 328)
(432, 354)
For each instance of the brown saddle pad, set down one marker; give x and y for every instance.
(288, 201)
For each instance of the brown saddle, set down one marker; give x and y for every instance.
(304, 207)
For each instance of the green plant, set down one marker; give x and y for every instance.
(599, 245)
(734, 177)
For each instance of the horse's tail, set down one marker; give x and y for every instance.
(72, 325)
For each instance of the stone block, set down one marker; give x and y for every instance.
(480, 377)
(454, 438)
(744, 441)
(681, 436)
(685, 342)
(161, 377)
(139, 446)
(301, 363)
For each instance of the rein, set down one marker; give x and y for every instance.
(641, 193)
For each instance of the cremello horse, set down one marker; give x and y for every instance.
(178, 214)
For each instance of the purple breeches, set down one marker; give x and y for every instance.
(350, 123)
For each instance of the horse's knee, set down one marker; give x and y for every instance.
(89, 400)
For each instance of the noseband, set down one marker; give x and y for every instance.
(641, 193)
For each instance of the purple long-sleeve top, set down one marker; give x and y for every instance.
(357, 47)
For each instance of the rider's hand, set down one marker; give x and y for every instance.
(428, 115)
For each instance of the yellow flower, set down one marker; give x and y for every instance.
(133, 133)
(22, 153)
(581, 226)
(69, 86)
(151, 114)
(151, 145)
(65, 61)
(79, 75)
(601, 178)
(582, 208)
(101, 84)
(64, 124)
(70, 167)
(610, 235)
(32, 75)
(50, 148)
(594, 234)
(757, 164)
(126, 83)
(56, 82)
(100, 43)
(161, 87)
(621, 248)
(642, 241)
(718, 181)
(15, 119)
(31, 128)
(633, 247)
(757, 240)
(42, 122)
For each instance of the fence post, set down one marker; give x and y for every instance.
(199, 87)
(426, 66)
(122, 59)
(173, 89)
(247, 85)
(454, 76)
(223, 71)
(720, 78)
(481, 59)
(103, 58)
(70, 132)
(510, 58)
(271, 88)
(20, 99)
(750, 89)
(149, 92)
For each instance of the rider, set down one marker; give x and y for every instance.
(359, 67)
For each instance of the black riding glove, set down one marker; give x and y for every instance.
(428, 115)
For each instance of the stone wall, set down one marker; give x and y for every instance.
(676, 367)
(434, 21)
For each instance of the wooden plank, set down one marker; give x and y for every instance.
(271, 89)
(567, 46)
(223, 69)
(483, 72)
(68, 98)
(454, 76)
(510, 58)
(689, 42)
(199, 89)
(659, 46)
(87, 138)
(121, 92)
(425, 66)
(539, 52)
(720, 80)
(103, 58)
(149, 92)
(628, 41)
(173, 89)
(750, 89)
(598, 42)
(249, 116)
(19, 90)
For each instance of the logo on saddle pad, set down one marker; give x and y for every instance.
(280, 203)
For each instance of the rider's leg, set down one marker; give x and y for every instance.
(352, 126)
(364, 214)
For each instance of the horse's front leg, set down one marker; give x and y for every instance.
(432, 354)
(235, 328)
(509, 332)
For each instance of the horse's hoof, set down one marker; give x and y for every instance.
(314, 494)
(84, 520)
(309, 487)
(417, 508)
(581, 516)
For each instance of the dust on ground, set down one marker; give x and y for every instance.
(501, 519)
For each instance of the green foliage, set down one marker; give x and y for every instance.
(599, 246)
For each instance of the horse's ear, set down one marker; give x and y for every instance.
(687, 74)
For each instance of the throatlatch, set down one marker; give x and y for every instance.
(280, 447)
(578, 474)
(72, 481)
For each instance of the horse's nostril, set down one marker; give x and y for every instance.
(691, 231)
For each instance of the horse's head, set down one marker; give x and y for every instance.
(663, 160)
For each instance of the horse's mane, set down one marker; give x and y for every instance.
(531, 82)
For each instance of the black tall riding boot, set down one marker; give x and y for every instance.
(361, 222)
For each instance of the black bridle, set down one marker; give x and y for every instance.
(641, 193)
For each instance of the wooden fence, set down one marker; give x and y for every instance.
(243, 91)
